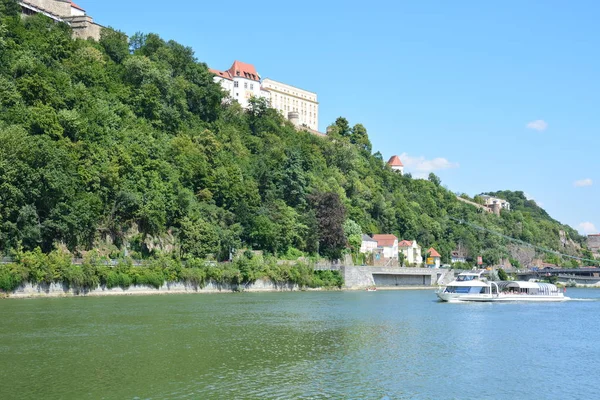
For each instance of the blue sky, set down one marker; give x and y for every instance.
(488, 95)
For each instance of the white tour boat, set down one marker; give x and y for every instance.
(472, 286)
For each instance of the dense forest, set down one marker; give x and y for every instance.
(126, 147)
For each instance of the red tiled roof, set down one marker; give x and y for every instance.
(77, 7)
(243, 70)
(395, 162)
(433, 253)
(405, 243)
(385, 240)
(221, 74)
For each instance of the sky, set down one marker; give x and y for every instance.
(487, 95)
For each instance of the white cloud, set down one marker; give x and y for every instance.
(422, 167)
(587, 228)
(538, 125)
(583, 183)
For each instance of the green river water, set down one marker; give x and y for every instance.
(314, 345)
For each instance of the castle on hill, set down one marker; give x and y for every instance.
(243, 82)
(65, 11)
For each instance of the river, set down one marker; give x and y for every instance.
(314, 345)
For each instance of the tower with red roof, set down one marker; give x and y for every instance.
(396, 164)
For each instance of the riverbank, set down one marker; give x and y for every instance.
(29, 290)
(56, 290)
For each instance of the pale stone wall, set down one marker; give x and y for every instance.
(60, 290)
(363, 277)
(593, 242)
(84, 27)
(60, 8)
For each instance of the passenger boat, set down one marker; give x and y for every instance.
(472, 286)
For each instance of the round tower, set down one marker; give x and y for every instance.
(294, 118)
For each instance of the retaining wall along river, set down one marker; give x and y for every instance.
(28, 290)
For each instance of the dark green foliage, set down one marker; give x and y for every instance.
(56, 267)
(330, 215)
(129, 145)
(502, 275)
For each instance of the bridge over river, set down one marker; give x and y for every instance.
(582, 276)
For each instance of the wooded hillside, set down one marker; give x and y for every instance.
(127, 143)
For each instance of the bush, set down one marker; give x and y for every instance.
(12, 276)
(37, 267)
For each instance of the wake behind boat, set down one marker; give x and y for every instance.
(472, 286)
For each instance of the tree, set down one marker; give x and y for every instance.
(330, 214)
(360, 138)
(343, 127)
(115, 44)
(434, 179)
(353, 233)
(502, 275)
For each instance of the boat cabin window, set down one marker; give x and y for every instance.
(462, 278)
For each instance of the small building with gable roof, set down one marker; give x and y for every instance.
(437, 258)
(368, 244)
(396, 164)
(389, 244)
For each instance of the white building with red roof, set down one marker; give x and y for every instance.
(435, 257)
(411, 251)
(396, 164)
(242, 82)
(389, 244)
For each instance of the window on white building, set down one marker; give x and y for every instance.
(251, 86)
(235, 84)
(245, 85)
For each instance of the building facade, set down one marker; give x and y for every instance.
(243, 82)
(411, 251)
(389, 245)
(495, 204)
(288, 99)
(368, 244)
(66, 11)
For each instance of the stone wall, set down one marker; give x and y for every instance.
(363, 277)
(84, 27)
(60, 8)
(61, 290)
(593, 242)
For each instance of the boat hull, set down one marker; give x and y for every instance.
(502, 298)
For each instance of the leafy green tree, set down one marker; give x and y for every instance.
(360, 138)
(502, 275)
(115, 44)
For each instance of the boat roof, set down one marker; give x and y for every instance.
(525, 285)
(473, 282)
(472, 273)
